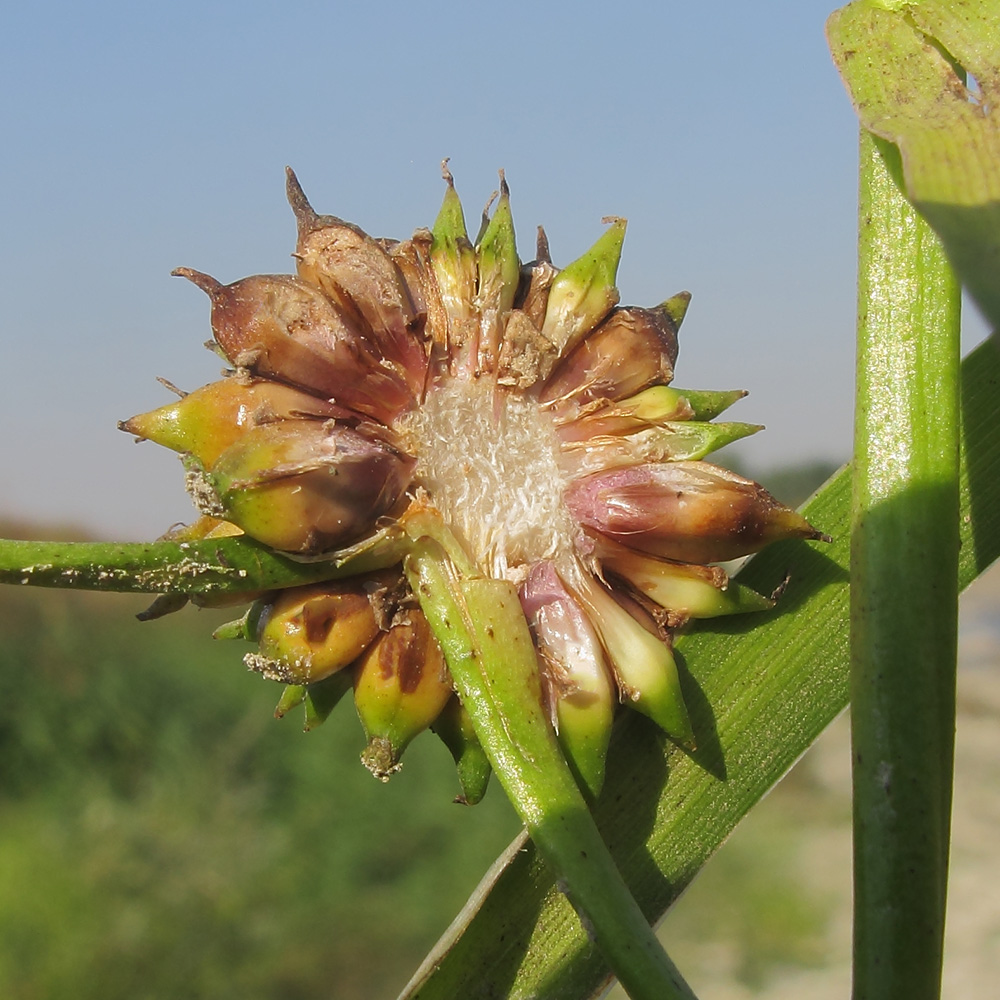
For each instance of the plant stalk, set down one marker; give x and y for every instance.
(904, 587)
(485, 639)
(206, 566)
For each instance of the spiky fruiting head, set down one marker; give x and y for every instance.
(520, 407)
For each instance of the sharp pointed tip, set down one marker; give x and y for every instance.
(305, 214)
(446, 174)
(778, 591)
(205, 282)
(676, 307)
(489, 204)
(542, 253)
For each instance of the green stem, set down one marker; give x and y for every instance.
(217, 565)
(904, 588)
(486, 642)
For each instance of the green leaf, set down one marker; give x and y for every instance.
(926, 77)
(760, 688)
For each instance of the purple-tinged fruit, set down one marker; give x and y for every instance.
(304, 486)
(686, 511)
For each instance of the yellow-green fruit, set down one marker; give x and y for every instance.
(307, 633)
(204, 423)
(401, 684)
(643, 663)
(683, 590)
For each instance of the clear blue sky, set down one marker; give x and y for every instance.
(139, 137)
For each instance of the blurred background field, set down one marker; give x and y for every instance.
(162, 836)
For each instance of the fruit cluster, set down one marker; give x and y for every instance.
(438, 387)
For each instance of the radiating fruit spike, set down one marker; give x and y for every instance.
(499, 273)
(324, 696)
(401, 684)
(306, 487)
(683, 590)
(670, 442)
(449, 228)
(577, 684)
(357, 273)
(304, 634)
(661, 402)
(236, 629)
(542, 254)
(206, 422)
(533, 293)
(686, 511)
(676, 308)
(291, 697)
(643, 663)
(453, 260)
(584, 292)
(162, 605)
(630, 350)
(484, 219)
(708, 404)
(277, 326)
(455, 729)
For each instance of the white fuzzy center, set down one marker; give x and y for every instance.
(488, 460)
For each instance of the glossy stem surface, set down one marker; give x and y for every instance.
(904, 588)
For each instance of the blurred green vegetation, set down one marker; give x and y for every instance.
(161, 835)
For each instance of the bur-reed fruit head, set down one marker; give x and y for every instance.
(515, 412)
